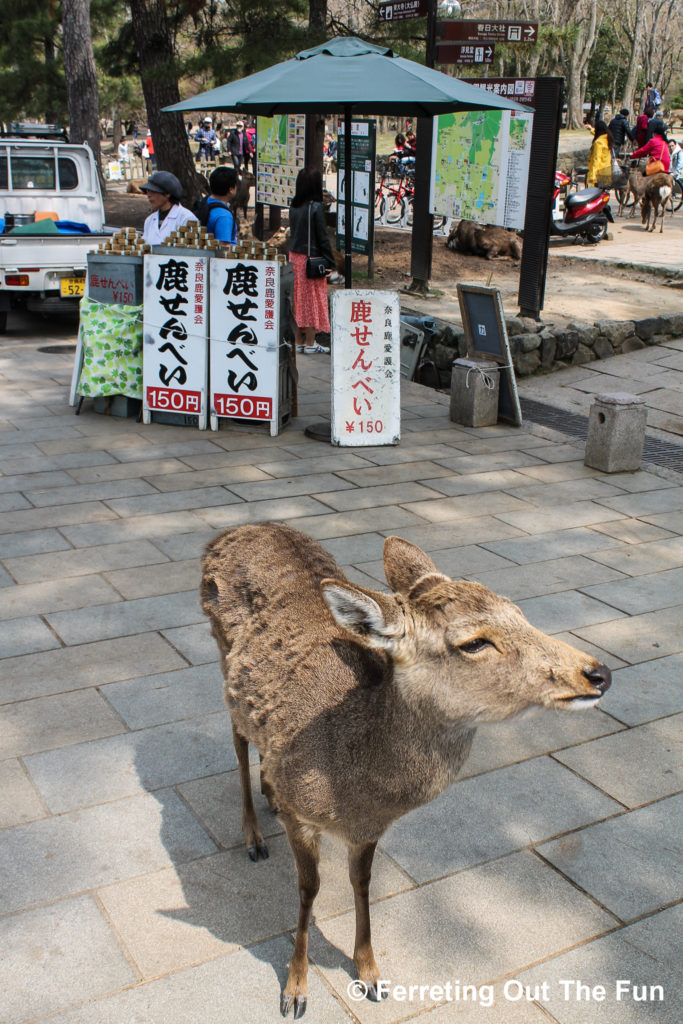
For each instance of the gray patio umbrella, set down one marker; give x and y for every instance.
(349, 75)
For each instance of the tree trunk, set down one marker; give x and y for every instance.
(160, 88)
(81, 76)
(581, 53)
(628, 95)
(317, 17)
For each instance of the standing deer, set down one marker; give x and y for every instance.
(363, 705)
(652, 191)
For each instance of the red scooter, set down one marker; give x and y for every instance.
(585, 213)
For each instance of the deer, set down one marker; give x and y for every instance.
(362, 704)
(652, 191)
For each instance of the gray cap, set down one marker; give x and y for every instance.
(165, 183)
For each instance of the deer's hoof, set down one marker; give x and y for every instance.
(299, 1006)
(373, 995)
(259, 850)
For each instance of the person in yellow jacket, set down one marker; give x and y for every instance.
(600, 159)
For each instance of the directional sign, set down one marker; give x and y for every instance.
(399, 10)
(488, 31)
(464, 53)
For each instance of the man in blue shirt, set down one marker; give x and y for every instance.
(215, 211)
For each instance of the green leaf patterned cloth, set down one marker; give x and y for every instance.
(112, 349)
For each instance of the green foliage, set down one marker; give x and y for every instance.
(31, 73)
(607, 67)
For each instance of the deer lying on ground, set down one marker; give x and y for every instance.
(484, 240)
(652, 191)
(363, 705)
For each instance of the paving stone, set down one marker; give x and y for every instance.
(61, 856)
(546, 546)
(603, 656)
(47, 723)
(216, 801)
(240, 457)
(439, 510)
(557, 472)
(475, 483)
(456, 563)
(194, 643)
(362, 547)
(504, 743)
(128, 765)
(338, 461)
(537, 578)
(31, 542)
(639, 954)
(475, 926)
(655, 748)
(405, 452)
(630, 863)
(224, 476)
(489, 1003)
(167, 696)
(241, 988)
(637, 560)
(644, 692)
(638, 637)
(480, 818)
(76, 960)
(72, 668)
(171, 501)
(343, 524)
(155, 580)
(55, 595)
(19, 800)
(176, 918)
(105, 490)
(668, 499)
(61, 564)
(25, 636)
(40, 463)
(135, 528)
(92, 512)
(29, 481)
(123, 470)
(642, 593)
(276, 510)
(566, 610)
(101, 622)
(633, 531)
(547, 520)
(185, 545)
(438, 536)
(287, 487)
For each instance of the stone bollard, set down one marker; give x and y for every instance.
(474, 393)
(616, 433)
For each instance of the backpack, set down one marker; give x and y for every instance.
(655, 98)
(202, 208)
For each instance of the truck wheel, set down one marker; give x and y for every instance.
(3, 322)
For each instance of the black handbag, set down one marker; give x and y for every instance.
(316, 266)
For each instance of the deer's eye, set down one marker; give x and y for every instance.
(474, 646)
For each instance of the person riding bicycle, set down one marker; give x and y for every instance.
(676, 156)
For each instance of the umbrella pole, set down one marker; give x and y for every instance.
(348, 210)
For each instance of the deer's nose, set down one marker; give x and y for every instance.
(600, 677)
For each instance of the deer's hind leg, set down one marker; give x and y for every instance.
(252, 834)
(360, 869)
(305, 843)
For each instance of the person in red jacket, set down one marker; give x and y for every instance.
(657, 148)
(641, 125)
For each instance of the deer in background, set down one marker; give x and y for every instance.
(361, 704)
(652, 191)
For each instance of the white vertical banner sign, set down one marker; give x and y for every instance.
(366, 386)
(245, 341)
(175, 351)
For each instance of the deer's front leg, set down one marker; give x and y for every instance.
(305, 843)
(360, 870)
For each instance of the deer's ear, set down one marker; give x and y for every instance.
(373, 617)
(405, 565)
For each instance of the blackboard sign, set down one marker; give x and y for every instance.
(481, 309)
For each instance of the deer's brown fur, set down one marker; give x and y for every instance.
(653, 191)
(363, 705)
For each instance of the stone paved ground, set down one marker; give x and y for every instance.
(125, 892)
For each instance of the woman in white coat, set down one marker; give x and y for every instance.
(163, 191)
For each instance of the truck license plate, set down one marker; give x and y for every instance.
(71, 286)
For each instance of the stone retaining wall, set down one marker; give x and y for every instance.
(538, 347)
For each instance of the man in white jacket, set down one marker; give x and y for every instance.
(164, 191)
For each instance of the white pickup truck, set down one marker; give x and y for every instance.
(46, 179)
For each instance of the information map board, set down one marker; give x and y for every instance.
(363, 151)
(280, 155)
(480, 162)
